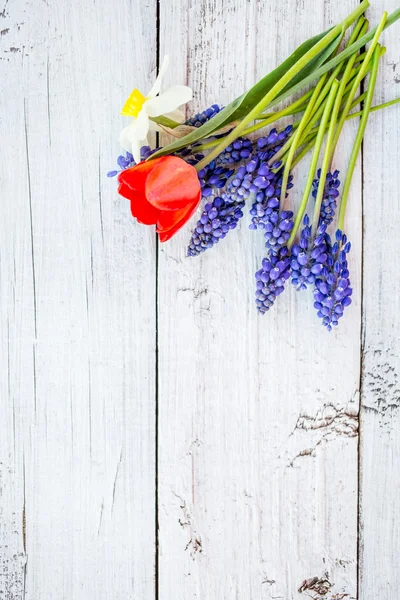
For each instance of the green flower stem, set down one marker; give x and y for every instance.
(311, 141)
(348, 73)
(288, 111)
(333, 34)
(361, 74)
(349, 20)
(301, 104)
(294, 106)
(342, 88)
(326, 161)
(314, 161)
(295, 139)
(208, 145)
(267, 119)
(305, 150)
(353, 74)
(394, 16)
(311, 132)
(360, 57)
(319, 107)
(374, 108)
(297, 106)
(278, 116)
(359, 137)
(311, 125)
(264, 123)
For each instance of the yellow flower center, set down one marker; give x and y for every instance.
(134, 103)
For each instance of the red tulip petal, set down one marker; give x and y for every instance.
(136, 176)
(170, 222)
(172, 184)
(142, 210)
(131, 186)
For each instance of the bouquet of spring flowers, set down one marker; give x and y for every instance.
(215, 158)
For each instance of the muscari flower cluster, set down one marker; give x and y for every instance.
(251, 175)
(200, 118)
(321, 264)
(331, 193)
(127, 161)
(332, 291)
(315, 261)
(244, 170)
(308, 256)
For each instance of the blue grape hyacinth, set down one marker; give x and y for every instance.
(329, 198)
(221, 215)
(332, 289)
(217, 219)
(265, 211)
(200, 118)
(308, 256)
(252, 177)
(271, 279)
(127, 161)
(212, 176)
(239, 150)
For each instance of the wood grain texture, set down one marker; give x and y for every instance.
(258, 415)
(258, 462)
(380, 415)
(77, 308)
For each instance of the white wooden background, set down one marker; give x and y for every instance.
(159, 439)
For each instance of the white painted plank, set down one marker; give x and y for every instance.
(77, 308)
(380, 416)
(258, 427)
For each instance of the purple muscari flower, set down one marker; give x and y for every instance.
(200, 118)
(332, 289)
(126, 162)
(308, 257)
(239, 150)
(265, 210)
(271, 279)
(221, 215)
(277, 230)
(254, 176)
(331, 193)
(274, 141)
(217, 218)
(211, 176)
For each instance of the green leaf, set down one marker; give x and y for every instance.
(243, 104)
(331, 64)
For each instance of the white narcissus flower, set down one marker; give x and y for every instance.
(154, 105)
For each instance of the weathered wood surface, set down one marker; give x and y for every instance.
(77, 309)
(380, 398)
(253, 495)
(262, 483)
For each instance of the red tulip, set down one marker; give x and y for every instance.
(164, 192)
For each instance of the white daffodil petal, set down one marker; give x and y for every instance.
(133, 137)
(157, 84)
(126, 136)
(168, 100)
(141, 123)
(135, 149)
